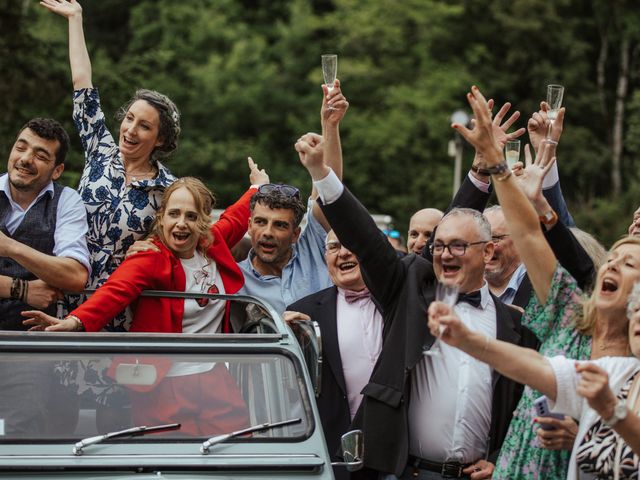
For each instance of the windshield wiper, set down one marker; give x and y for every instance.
(204, 449)
(129, 432)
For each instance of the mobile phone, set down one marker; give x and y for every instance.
(542, 410)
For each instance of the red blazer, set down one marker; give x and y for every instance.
(163, 271)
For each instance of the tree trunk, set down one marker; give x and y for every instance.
(618, 119)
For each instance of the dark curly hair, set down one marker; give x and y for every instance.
(276, 199)
(169, 130)
(49, 129)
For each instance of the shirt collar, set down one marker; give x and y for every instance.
(516, 278)
(4, 186)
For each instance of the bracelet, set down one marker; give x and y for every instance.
(550, 142)
(480, 171)
(505, 176)
(79, 325)
(486, 345)
(25, 291)
(16, 284)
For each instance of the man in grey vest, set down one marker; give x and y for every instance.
(43, 250)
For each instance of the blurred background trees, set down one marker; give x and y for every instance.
(246, 77)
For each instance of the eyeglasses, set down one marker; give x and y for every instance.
(456, 249)
(498, 238)
(332, 247)
(286, 190)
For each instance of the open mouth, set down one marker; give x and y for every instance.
(346, 266)
(450, 269)
(181, 236)
(267, 247)
(25, 171)
(128, 141)
(609, 285)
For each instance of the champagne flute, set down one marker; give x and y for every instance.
(554, 100)
(512, 152)
(446, 293)
(329, 70)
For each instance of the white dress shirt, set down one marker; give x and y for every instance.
(451, 396)
(71, 221)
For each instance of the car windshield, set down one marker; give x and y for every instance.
(69, 396)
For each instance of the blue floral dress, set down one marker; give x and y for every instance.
(521, 457)
(118, 214)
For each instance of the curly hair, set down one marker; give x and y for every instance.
(205, 202)
(50, 129)
(276, 199)
(169, 130)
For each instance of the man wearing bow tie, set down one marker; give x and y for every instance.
(351, 332)
(425, 417)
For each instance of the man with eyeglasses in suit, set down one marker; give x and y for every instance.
(285, 262)
(425, 416)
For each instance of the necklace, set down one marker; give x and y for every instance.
(137, 175)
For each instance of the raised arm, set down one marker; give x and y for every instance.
(334, 106)
(521, 217)
(524, 365)
(78, 54)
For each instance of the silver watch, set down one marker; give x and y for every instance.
(619, 413)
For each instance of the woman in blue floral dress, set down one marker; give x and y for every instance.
(122, 181)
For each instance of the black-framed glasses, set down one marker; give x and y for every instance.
(499, 238)
(286, 190)
(456, 249)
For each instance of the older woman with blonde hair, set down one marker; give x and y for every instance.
(565, 323)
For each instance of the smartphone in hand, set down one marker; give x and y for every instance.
(542, 410)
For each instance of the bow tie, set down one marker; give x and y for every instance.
(472, 298)
(350, 296)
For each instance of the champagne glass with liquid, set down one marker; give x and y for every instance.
(329, 70)
(554, 100)
(446, 293)
(512, 152)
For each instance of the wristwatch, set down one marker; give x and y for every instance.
(550, 218)
(619, 413)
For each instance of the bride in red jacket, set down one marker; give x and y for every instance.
(191, 256)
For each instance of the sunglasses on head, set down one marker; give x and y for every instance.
(286, 190)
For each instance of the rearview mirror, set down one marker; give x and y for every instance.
(352, 451)
(307, 332)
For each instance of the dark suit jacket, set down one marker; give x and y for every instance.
(404, 288)
(332, 402)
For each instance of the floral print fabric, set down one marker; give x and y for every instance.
(521, 456)
(118, 214)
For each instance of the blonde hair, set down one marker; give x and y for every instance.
(587, 322)
(204, 201)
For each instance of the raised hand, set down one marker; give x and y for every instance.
(538, 126)
(594, 387)
(256, 176)
(63, 8)
(334, 105)
(530, 178)
(561, 437)
(455, 331)
(482, 135)
(500, 129)
(310, 148)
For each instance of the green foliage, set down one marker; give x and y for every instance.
(246, 77)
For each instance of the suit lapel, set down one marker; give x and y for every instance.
(329, 331)
(505, 328)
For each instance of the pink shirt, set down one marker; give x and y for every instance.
(360, 342)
